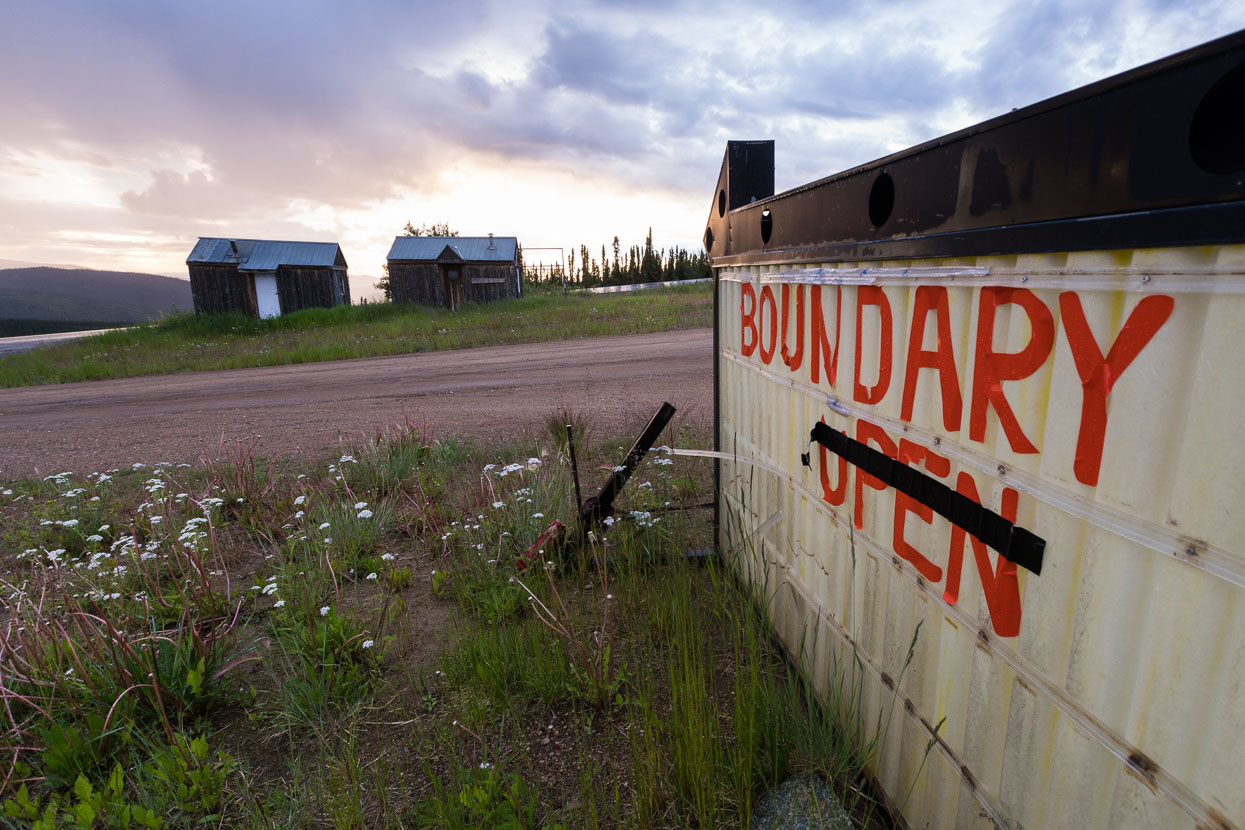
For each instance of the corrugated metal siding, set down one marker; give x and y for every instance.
(266, 255)
(220, 251)
(1119, 701)
(470, 248)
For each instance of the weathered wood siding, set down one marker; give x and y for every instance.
(416, 282)
(218, 289)
(420, 282)
(302, 287)
(491, 281)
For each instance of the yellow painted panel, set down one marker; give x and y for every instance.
(1106, 414)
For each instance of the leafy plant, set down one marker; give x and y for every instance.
(481, 797)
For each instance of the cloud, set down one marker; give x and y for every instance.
(284, 117)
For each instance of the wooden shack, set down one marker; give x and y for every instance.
(265, 278)
(450, 270)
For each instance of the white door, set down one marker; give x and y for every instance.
(266, 296)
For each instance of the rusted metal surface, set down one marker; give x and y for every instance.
(570, 447)
(1152, 157)
(601, 505)
(556, 538)
(1089, 396)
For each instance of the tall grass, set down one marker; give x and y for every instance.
(625, 686)
(190, 343)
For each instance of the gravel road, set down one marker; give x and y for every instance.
(616, 382)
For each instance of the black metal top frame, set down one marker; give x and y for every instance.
(1153, 157)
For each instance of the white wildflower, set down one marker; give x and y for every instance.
(324, 611)
(324, 525)
(270, 589)
(388, 557)
(372, 575)
(498, 505)
(368, 644)
(364, 514)
(300, 500)
(279, 604)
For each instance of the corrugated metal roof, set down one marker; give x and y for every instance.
(470, 248)
(266, 255)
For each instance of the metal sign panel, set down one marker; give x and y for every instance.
(1019, 527)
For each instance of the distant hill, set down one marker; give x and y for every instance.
(81, 294)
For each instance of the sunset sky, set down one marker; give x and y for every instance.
(129, 129)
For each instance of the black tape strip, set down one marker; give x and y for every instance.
(1015, 543)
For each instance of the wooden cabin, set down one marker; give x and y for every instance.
(450, 270)
(265, 278)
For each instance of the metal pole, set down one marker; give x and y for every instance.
(570, 443)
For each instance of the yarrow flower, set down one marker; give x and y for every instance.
(300, 500)
(360, 505)
(368, 643)
(324, 526)
(497, 505)
(270, 589)
(324, 611)
(364, 514)
(388, 557)
(279, 604)
(372, 575)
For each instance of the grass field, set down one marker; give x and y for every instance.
(351, 642)
(189, 343)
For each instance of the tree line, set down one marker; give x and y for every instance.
(639, 263)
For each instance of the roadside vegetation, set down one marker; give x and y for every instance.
(362, 642)
(191, 343)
